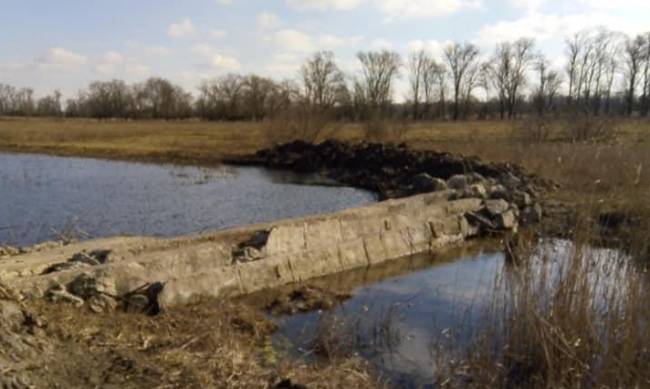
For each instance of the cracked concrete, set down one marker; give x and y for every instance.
(296, 250)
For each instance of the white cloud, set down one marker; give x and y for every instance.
(225, 62)
(324, 4)
(224, 2)
(58, 57)
(294, 41)
(328, 41)
(267, 20)
(137, 70)
(283, 65)
(381, 44)
(527, 5)
(203, 49)
(434, 47)
(218, 33)
(424, 9)
(214, 58)
(113, 57)
(632, 5)
(151, 50)
(545, 27)
(109, 62)
(181, 29)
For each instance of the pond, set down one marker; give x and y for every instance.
(399, 311)
(44, 197)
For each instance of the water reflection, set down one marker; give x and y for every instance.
(400, 309)
(42, 197)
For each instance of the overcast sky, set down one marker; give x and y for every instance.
(64, 44)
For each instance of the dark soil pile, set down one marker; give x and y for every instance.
(385, 169)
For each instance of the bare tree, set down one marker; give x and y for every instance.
(257, 91)
(434, 85)
(220, 98)
(379, 71)
(322, 80)
(461, 59)
(645, 96)
(576, 50)
(633, 59)
(509, 66)
(50, 105)
(548, 87)
(417, 67)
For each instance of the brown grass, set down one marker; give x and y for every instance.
(584, 325)
(207, 345)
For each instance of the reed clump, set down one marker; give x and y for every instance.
(579, 321)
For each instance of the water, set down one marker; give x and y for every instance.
(400, 310)
(44, 197)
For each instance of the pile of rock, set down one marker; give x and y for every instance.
(96, 291)
(395, 172)
(390, 171)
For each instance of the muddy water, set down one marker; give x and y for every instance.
(43, 197)
(399, 311)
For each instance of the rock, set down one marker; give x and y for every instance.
(458, 182)
(251, 249)
(480, 221)
(136, 303)
(496, 207)
(423, 183)
(499, 192)
(506, 220)
(510, 181)
(58, 293)
(87, 285)
(101, 303)
(522, 199)
(477, 190)
(144, 299)
(93, 258)
(80, 260)
(247, 254)
(532, 214)
(476, 178)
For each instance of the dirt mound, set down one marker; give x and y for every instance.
(390, 171)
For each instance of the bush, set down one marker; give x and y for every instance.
(385, 130)
(587, 127)
(297, 123)
(535, 129)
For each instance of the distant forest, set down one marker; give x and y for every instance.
(606, 73)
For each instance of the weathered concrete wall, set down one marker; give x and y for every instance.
(249, 259)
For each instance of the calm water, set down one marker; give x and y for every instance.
(42, 197)
(399, 311)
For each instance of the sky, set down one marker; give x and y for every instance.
(65, 44)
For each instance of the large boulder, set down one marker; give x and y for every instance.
(458, 182)
(496, 207)
(423, 183)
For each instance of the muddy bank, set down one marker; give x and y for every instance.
(215, 344)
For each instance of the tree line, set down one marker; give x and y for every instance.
(606, 73)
